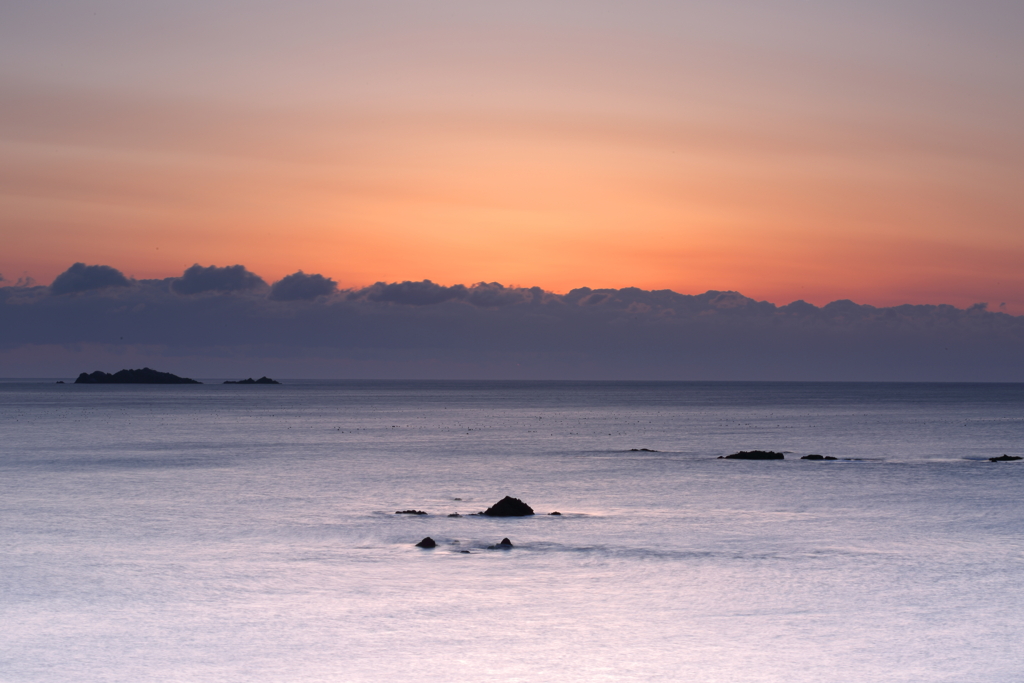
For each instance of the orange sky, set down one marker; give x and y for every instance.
(858, 152)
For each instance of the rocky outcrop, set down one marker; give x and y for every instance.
(643, 450)
(509, 507)
(1005, 458)
(556, 513)
(504, 544)
(141, 376)
(410, 512)
(753, 455)
(261, 380)
(814, 456)
(427, 542)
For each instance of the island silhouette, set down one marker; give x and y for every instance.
(141, 376)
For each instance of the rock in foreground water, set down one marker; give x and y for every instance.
(1004, 458)
(509, 507)
(427, 542)
(753, 455)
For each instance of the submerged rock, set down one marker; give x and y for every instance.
(1004, 458)
(505, 544)
(559, 514)
(814, 456)
(753, 455)
(455, 514)
(410, 512)
(643, 450)
(509, 507)
(427, 542)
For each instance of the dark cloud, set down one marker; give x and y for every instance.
(301, 287)
(422, 329)
(198, 279)
(82, 278)
(426, 293)
(411, 293)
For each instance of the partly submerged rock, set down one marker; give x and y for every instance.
(753, 455)
(815, 456)
(427, 542)
(454, 514)
(410, 512)
(559, 514)
(509, 507)
(261, 380)
(1005, 458)
(643, 450)
(141, 376)
(505, 544)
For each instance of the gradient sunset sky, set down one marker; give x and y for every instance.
(865, 150)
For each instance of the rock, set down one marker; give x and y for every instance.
(643, 450)
(455, 514)
(427, 542)
(410, 512)
(559, 514)
(505, 544)
(143, 376)
(753, 455)
(466, 552)
(509, 507)
(814, 456)
(261, 380)
(1004, 458)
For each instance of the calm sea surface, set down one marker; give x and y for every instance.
(247, 533)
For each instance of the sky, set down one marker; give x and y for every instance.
(789, 151)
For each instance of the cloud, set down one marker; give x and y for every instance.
(408, 293)
(426, 293)
(422, 329)
(82, 278)
(198, 279)
(301, 287)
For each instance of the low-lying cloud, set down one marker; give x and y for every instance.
(303, 326)
(197, 280)
(301, 287)
(83, 278)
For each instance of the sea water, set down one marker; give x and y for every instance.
(248, 533)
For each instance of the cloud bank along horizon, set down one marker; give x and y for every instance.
(221, 321)
(788, 150)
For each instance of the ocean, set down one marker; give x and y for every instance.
(248, 533)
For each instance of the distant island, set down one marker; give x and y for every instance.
(261, 380)
(142, 376)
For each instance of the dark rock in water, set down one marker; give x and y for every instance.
(1004, 458)
(509, 507)
(814, 456)
(143, 376)
(559, 514)
(643, 450)
(60, 381)
(261, 380)
(505, 541)
(753, 455)
(465, 551)
(455, 514)
(427, 542)
(410, 512)
(505, 544)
